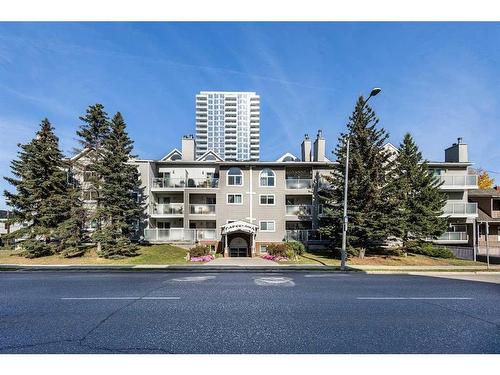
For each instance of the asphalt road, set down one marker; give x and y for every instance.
(292, 312)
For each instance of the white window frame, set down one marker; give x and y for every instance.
(241, 175)
(267, 195)
(267, 177)
(227, 198)
(267, 230)
(265, 247)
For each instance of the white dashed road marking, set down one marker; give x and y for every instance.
(115, 298)
(415, 298)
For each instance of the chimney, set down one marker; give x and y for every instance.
(306, 148)
(457, 152)
(319, 147)
(188, 145)
(497, 188)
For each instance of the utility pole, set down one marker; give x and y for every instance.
(343, 252)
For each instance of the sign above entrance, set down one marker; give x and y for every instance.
(239, 226)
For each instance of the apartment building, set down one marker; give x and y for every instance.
(239, 207)
(488, 220)
(457, 179)
(228, 123)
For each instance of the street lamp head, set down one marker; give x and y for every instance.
(375, 91)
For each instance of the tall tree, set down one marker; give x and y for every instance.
(93, 134)
(121, 204)
(370, 222)
(40, 200)
(417, 200)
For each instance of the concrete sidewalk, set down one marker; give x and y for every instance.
(255, 261)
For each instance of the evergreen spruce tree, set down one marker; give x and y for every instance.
(40, 201)
(417, 199)
(370, 221)
(120, 207)
(93, 134)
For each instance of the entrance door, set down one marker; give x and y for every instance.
(238, 247)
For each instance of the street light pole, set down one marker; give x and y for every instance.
(343, 252)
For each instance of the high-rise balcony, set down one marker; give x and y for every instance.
(202, 209)
(299, 183)
(167, 209)
(460, 209)
(299, 210)
(457, 182)
(181, 183)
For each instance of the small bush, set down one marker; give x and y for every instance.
(278, 249)
(297, 247)
(36, 249)
(199, 251)
(428, 249)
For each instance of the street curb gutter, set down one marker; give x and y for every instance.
(205, 269)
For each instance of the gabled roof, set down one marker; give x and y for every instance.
(391, 148)
(287, 156)
(81, 154)
(172, 154)
(484, 193)
(210, 155)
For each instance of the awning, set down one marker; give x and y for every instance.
(239, 226)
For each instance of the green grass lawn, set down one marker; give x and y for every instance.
(154, 254)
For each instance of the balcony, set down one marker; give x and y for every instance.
(299, 210)
(460, 209)
(299, 183)
(168, 209)
(457, 182)
(202, 209)
(304, 235)
(453, 237)
(179, 235)
(181, 183)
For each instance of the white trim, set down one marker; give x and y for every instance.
(260, 176)
(267, 221)
(267, 195)
(170, 154)
(285, 155)
(227, 199)
(242, 177)
(209, 152)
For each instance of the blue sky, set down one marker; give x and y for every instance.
(439, 80)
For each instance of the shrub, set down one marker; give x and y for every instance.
(278, 249)
(297, 247)
(199, 251)
(428, 249)
(36, 249)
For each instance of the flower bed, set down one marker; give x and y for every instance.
(204, 258)
(276, 258)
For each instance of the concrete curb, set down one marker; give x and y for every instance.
(204, 269)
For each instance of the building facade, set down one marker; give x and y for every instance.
(488, 221)
(228, 123)
(238, 207)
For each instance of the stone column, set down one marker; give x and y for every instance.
(226, 247)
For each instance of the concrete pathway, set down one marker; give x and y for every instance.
(241, 262)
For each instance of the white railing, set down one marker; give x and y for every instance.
(460, 209)
(170, 235)
(167, 209)
(464, 181)
(179, 183)
(202, 209)
(453, 236)
(298, 183)
(299, 210)
(304, 235)
(179, 235)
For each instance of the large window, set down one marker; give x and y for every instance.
(496, 204)
(234, 199)
(267, 177)
(234, 177)
(89, 195)
(267, 226)
(267, 199)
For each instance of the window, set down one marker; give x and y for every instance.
(89, 195)
(496, 205)
(267, 226)
(267, 177)
(89, 176)
(263, 249)
(234, 177)
(234, 199)
(267, 199)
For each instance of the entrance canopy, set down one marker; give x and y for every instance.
(239, 226)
